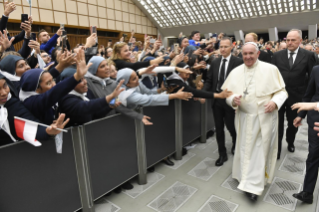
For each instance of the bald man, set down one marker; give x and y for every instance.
(259, 91)
(309, 47)
(282, 46)
(263, 56)
(295, 65)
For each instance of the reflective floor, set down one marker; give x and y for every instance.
(195, 184)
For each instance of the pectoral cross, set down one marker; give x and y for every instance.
(245, 93)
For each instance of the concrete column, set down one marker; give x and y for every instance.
(273, 34)
(239, 35)
(312, 31)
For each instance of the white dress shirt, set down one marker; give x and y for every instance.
(226, 65)
(294, 55)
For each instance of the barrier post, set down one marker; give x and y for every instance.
(178, 129)
(141, 151)
(82, 168)
(203, 122)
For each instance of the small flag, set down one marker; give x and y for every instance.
(59, 142)
(30, 2)
(27, 131)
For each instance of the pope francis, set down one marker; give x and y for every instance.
(259, 91)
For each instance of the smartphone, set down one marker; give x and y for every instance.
(112, 102)
(33, 36)
(62, 26)
(24, 17)
(176, 45)
(10, 1)
(110, 40)
(124, 35)
(94, 29)
(64, 33)
(152, 40)
(63, 43)
(165, 82)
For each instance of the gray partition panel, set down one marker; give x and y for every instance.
(160, 137)
(210, 117)
(38, 179)
(112, 155)
(191, 117)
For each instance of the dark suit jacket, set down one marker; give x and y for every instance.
(312, 95)
(317, 59)
(212, 75)
(295, 79)
(263, 56)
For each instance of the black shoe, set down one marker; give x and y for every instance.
(251, 196)
(304, 196)
(184, 152)
(127, 186)
(233, 149)
(220, 161)
(151, 169)
(118, 190)
(278, 155)
(291, 148)
(168, 162)
(209, 134)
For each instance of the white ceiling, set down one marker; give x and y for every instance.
(177, 13)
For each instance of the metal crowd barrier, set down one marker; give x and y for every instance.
(97, 157)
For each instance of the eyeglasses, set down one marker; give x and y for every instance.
(45, 55)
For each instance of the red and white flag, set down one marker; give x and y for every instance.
(26, 130)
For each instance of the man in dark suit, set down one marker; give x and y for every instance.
(263, 56)
(312, 163)
(217, 74)
(317, 54)
(295, 65)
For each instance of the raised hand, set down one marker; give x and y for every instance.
(34, 45)
(9, 8)
(26, 26)
(59, 123)
(59, 32)
(4, 41)
(91, 40)
(81, 67)
(118, 89)
(66, 60)
(179, 58)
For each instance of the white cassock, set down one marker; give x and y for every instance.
(257, 132)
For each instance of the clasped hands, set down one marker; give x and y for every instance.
(269, 107)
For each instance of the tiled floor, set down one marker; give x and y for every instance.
(194, 184)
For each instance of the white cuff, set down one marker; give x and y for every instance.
(229, 101)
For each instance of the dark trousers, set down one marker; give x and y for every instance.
(312, 163)
(291, 130)
(223, 114)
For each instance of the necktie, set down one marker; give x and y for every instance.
(221, 75)
(291, 61)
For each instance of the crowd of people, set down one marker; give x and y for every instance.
(49, 82)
